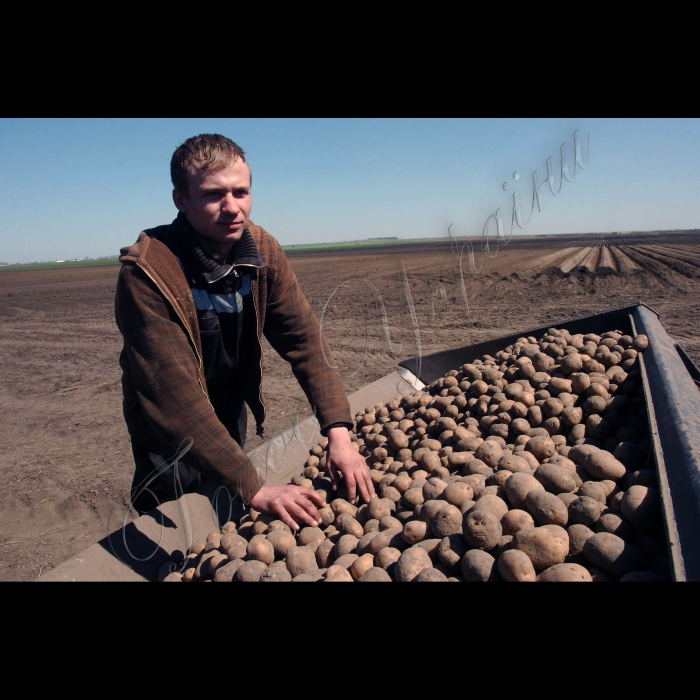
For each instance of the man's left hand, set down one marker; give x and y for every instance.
(342, 457)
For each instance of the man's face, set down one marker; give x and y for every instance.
(218, 205)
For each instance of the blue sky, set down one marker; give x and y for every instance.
(75, 188)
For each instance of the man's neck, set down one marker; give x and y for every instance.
(217, 252)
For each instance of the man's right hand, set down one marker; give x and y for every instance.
(293, 504)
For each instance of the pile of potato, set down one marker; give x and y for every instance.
(533, 465)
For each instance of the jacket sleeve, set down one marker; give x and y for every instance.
(164, 369)
(294, 332)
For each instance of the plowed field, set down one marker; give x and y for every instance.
(65, 455)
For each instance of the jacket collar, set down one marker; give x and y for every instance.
(201, 264)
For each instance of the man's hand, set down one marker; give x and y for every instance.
(293, 504)
(343, 458)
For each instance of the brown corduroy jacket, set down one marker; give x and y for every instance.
(165, 392)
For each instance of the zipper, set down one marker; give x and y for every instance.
(257, 337)
(166, 293)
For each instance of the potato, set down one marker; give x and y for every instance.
(519, 485)
(641, 506)
(430, 509)
(390, 493)
(307, 535)
(188, 573)
(279, 525)
(275, 574)
(602, 465)
(478, 566)
(361, 565)
(198, 547)
(261, 548)
(414, 531)
(228, 528)
(546, 545)
(404, 515)
(580, 381)
(411, 563)
(387, 480)
(363, 544)
(477, 482)
(555, 479)
(402, 483)
(457, 493)
(628, 453)
(613, 555)
(431, 546)
(433, 489)
(520, 426)
(338, 574)
(515, 520)
(213, 538)
(616, 525)
(430, 576)
(514, 463)
(579, 453)
(375, 575)
(540, 448)
(595, 490)
(451, 550)
(565, 572)
(376, 476)
(498, 478)
(504, 543)
(340, 505)
(225, 573)
(371, 526)
(346, 544)
(563, 463)
(301, 560)
(386, 558)
(398, 440)
(332, 532)
(481, 530)
(640, 343)
(476, 466)
(491, 503)
(447, 521)
(347, 525)
(578, 534)
(585, 510)
(530, 459)
(202, 570)
(466, 507)
(345, 561)
(324, 553)
(430, 460)
(387, 538)
(413, 497)
(377, 508)
(175, 576)
(250, 571)
(389, 521)
(326, 515)
(514, 565)
(546, 508)
(552, 407)
(489, 452)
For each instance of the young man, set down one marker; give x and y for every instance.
(193, 300)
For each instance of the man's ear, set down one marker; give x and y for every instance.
(179, 200)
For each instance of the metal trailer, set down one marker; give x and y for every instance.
(671, 387)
